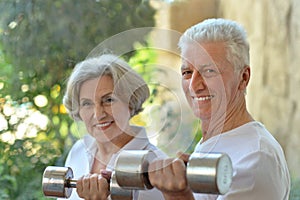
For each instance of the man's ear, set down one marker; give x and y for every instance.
(244, 78)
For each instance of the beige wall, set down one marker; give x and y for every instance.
(274, 34)
(274, 92)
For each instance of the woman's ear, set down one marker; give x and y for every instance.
(244, 78)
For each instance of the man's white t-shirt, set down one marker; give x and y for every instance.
(81, 157)
(260, 170)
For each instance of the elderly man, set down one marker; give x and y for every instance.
(215, 74)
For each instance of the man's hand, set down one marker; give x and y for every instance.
(169, 176)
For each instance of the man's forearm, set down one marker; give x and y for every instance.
(186, 195)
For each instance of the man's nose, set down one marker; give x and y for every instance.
(197, 82)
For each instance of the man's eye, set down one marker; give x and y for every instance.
(186, 73)
(209, 73)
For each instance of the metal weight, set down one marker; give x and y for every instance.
(118, 193)
(206, 173)
(131, 169)
(57, 182)
(209, 173)
(131, 173)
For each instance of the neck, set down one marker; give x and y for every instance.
(226, 121)
(106, 150)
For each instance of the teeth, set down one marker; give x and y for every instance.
(203, 98)
(104, 124)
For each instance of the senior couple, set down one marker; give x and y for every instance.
(105, 93)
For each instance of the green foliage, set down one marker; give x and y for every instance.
(40, 43)
(22, 167)
(47, 37)
(295, 189)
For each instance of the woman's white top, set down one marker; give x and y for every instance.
(81, 158)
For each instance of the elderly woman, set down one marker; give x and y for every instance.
(105, 93)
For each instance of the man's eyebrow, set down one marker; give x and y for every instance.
(183, 66)
(206, 65)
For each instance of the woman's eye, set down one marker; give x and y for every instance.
(108, 100)
(86, 103)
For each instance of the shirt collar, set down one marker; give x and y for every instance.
(140, 141)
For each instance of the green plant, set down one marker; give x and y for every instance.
(41, 40)
(295, 189)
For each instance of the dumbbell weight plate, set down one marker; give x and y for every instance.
(55, 182)
(131, 169)
(116, 192)
(209, 173)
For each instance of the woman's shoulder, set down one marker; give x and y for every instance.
(77, 146)
(85, 142)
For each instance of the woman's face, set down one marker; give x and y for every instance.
(105, 116)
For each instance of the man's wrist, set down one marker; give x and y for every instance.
(184, 195)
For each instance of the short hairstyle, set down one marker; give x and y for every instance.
(221, 30)
(129, 86)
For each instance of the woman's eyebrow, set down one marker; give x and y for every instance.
(84, 99)
(107, 94)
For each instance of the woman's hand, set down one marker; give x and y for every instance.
(93, 187)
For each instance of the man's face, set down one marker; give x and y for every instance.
(209, 80)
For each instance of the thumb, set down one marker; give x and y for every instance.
(183, 156)
(106, 174)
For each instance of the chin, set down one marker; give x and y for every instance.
(202, 116)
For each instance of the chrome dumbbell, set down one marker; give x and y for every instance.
(57, 182)
(206, 172)
(130, 173)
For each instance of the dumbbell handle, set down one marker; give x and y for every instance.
(71, 183)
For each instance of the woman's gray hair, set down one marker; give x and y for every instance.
(221, 30)
(129, 86)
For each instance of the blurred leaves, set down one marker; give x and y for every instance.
(41, 40)
(46, 37)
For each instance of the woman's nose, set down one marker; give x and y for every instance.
(99, 112)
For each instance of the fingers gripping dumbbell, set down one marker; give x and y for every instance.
(206, 172)
(58, 182)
